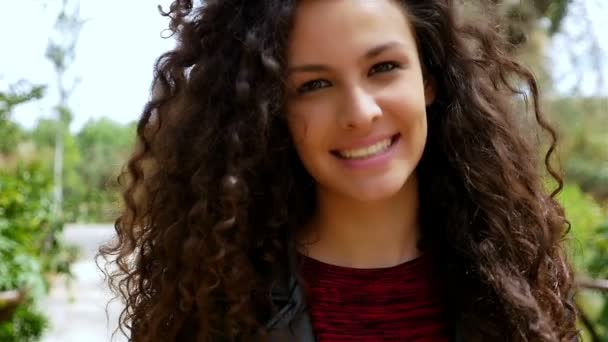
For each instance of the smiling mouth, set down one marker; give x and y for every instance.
(368, 151)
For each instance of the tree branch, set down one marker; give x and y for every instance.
(593, 284)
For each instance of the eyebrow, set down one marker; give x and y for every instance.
(371, 53)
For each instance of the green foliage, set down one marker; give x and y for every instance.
(585, 216)
(598, 264)
(595, 303)
(24, 206)
(10, 132)
(588, 250)
(554, 10)
(30, 246)
(26, 325)
(19, 269)
(26, 219)
(43, 134)
(17, 94)
(591, 176)
(92, 161)
(582, 123)
(519, 19)
(105, 145)
(61, 49)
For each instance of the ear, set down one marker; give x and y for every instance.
(430, 89)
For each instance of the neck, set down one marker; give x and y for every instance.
(351, 233)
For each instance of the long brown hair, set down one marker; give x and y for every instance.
(214, 189)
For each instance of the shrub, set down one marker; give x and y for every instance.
(30, 246)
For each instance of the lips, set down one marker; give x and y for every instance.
(370, 150)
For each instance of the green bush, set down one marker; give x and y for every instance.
(26, 325)
(588, 249)
(585, 216)
(10, 132)
(26, 217)
(30, 247)
(591, 176)
(598, 265)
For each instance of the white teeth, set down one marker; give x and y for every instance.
(365, 152)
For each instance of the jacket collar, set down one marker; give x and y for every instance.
(292, 321)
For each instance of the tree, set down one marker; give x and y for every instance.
(522, 16)
(106, 145)
(61, 51)
(17, 94)
(43, 137)
(30, 243)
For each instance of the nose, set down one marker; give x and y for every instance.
(360, 109)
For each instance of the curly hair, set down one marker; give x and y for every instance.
(215, 190)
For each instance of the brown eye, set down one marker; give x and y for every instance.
(383, 67)
(312, 86)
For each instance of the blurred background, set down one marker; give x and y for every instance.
(75, 75)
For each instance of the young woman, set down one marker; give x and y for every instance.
(339, 170)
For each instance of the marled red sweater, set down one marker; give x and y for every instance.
(399, 303)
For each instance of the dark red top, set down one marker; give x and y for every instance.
(399, 303)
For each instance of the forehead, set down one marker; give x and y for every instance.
(335, 26)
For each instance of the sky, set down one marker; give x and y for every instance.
(116, 51)
(121, 40)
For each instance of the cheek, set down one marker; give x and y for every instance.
(299, 127)
(407, 111)
(406, 102)
(308, 125)
(302, 135)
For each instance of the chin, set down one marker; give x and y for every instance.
(377, 190)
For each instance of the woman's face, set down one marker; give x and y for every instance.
(357, 98)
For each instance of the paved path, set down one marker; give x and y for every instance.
(77, 311)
